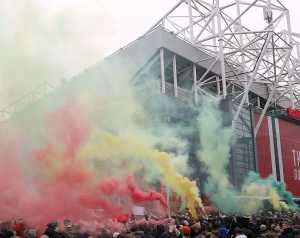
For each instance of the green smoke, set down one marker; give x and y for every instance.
(216, 140)
(215, 150)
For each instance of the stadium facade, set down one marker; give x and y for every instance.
(205, 48)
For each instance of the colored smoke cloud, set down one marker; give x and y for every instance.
(70, 160)
(58, 184)
(216, 141)
(65, 153)
(111, 146)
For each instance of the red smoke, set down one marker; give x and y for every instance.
(138, 195)
(52, 184)
(129, 187)
(70, 127)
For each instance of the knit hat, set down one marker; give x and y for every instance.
(223, 232)
(186, 231)
(53, 224)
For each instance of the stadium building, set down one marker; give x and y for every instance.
(243, 52)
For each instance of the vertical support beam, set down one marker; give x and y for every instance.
(254, 146)
(191, 22)
(162, 71)
(298, 51)
(175, 76)
(218, 86)
(221, 49)
(272, 146)
(195, 83)
(241, 36)
(213, 27)
(233, 89)
(290, 71)
(258, 62)
(279, 150)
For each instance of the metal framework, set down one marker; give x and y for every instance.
(250, 41)
(253, 43)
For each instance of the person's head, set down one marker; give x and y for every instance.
(277, 228)
(67, 221)
(286, 225)
(31, 233)
(44, 236)
(185, 223)
(186, 231)
(273, 227)
(297, 234)
(270, 235)
(262, 228)
(238, 231)
(133, 228)
(53, 226)
(76, 228)
(196, 228)
(223, 232)
(9, 234)
(139, 234)
(160, 228)
(105, 234)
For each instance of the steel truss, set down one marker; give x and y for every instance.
(253, 43)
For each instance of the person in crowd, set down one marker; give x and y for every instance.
(4, 233)
(68, 229)
(287, 230)
(296, 234)
(260, 225)
(238, 233)
(186, 231)
(19, 227)
(30, 233)
(52, 230)
(223, 231)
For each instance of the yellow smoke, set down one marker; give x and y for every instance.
(266, 191)
(105, 146)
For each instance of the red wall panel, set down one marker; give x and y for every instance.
(264, 160)
(290, 147)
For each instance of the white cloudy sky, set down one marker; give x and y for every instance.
(45, 40)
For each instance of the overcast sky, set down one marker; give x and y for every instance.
(45, 40)
(132, 17)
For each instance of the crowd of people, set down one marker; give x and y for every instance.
(182, 225)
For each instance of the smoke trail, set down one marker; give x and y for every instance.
(57, 180)
(138, 195)
(277, 189)
(111, 146)
(215, 153)
(215, 147)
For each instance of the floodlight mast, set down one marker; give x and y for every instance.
(256, 57)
